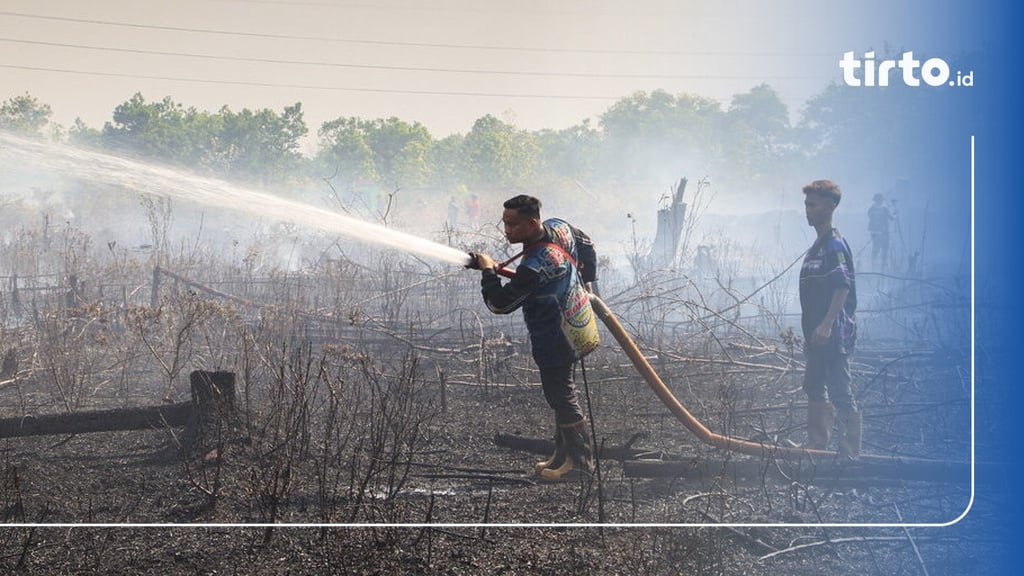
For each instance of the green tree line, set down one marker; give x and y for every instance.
(752, 141)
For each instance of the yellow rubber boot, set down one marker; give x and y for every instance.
(557, 458)
(578, 454)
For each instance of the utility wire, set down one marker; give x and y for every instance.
(472, 94)
(395, 68)
(388, 42)
(310, 86)
(510, 8)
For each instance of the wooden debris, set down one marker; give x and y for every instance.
(545, 447)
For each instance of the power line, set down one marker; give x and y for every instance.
(396, 68)
(546, 9)
(309, 86)
(422, 7)
(384, 42)
(336, 88)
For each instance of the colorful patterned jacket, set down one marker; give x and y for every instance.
(545, 282)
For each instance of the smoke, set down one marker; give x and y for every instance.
(146, 178)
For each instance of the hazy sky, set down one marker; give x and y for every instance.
(444, 63)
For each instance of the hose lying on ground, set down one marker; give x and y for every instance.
(699, 429)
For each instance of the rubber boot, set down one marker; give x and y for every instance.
(850, 424)
(579, 455)
(820, 417)
(557, 458)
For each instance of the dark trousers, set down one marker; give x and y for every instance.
(880, 249)
(827, 377)
(560, 392)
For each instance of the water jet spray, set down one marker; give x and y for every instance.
(161, 180)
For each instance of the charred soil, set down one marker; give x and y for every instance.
(369, 441)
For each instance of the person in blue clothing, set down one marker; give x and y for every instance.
(552, 281)
(828, 302)
(879, 218)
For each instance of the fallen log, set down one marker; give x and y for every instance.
(212, 392)
(483, 477)
(804, 470)
(545, 447)
(178, 414)
(524, 444)
(637, 463)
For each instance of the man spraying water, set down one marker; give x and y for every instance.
(551, 285)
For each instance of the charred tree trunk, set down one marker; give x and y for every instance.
(671, 221)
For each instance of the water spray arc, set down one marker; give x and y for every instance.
(160, 180)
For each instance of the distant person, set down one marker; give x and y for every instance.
(558, 265)
(828, 301)
(704, 261)
(453, 213)
(473, 211)
(879, 217)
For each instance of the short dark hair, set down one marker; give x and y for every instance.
(524, 205)
(826, 189)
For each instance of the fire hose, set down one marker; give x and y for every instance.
(695, 426)
(698, 429)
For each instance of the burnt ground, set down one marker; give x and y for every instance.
(362, 434)
(386, 463)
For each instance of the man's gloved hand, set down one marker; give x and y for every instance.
(480, 261)
(592, 288)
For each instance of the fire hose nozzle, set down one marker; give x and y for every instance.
(500, 269)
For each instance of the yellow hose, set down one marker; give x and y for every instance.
(689, 420)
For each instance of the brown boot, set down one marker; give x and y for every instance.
(849, 434)
(557, 458)
(579, 455)
(820, 417)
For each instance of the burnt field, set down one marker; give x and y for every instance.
(383, 422)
